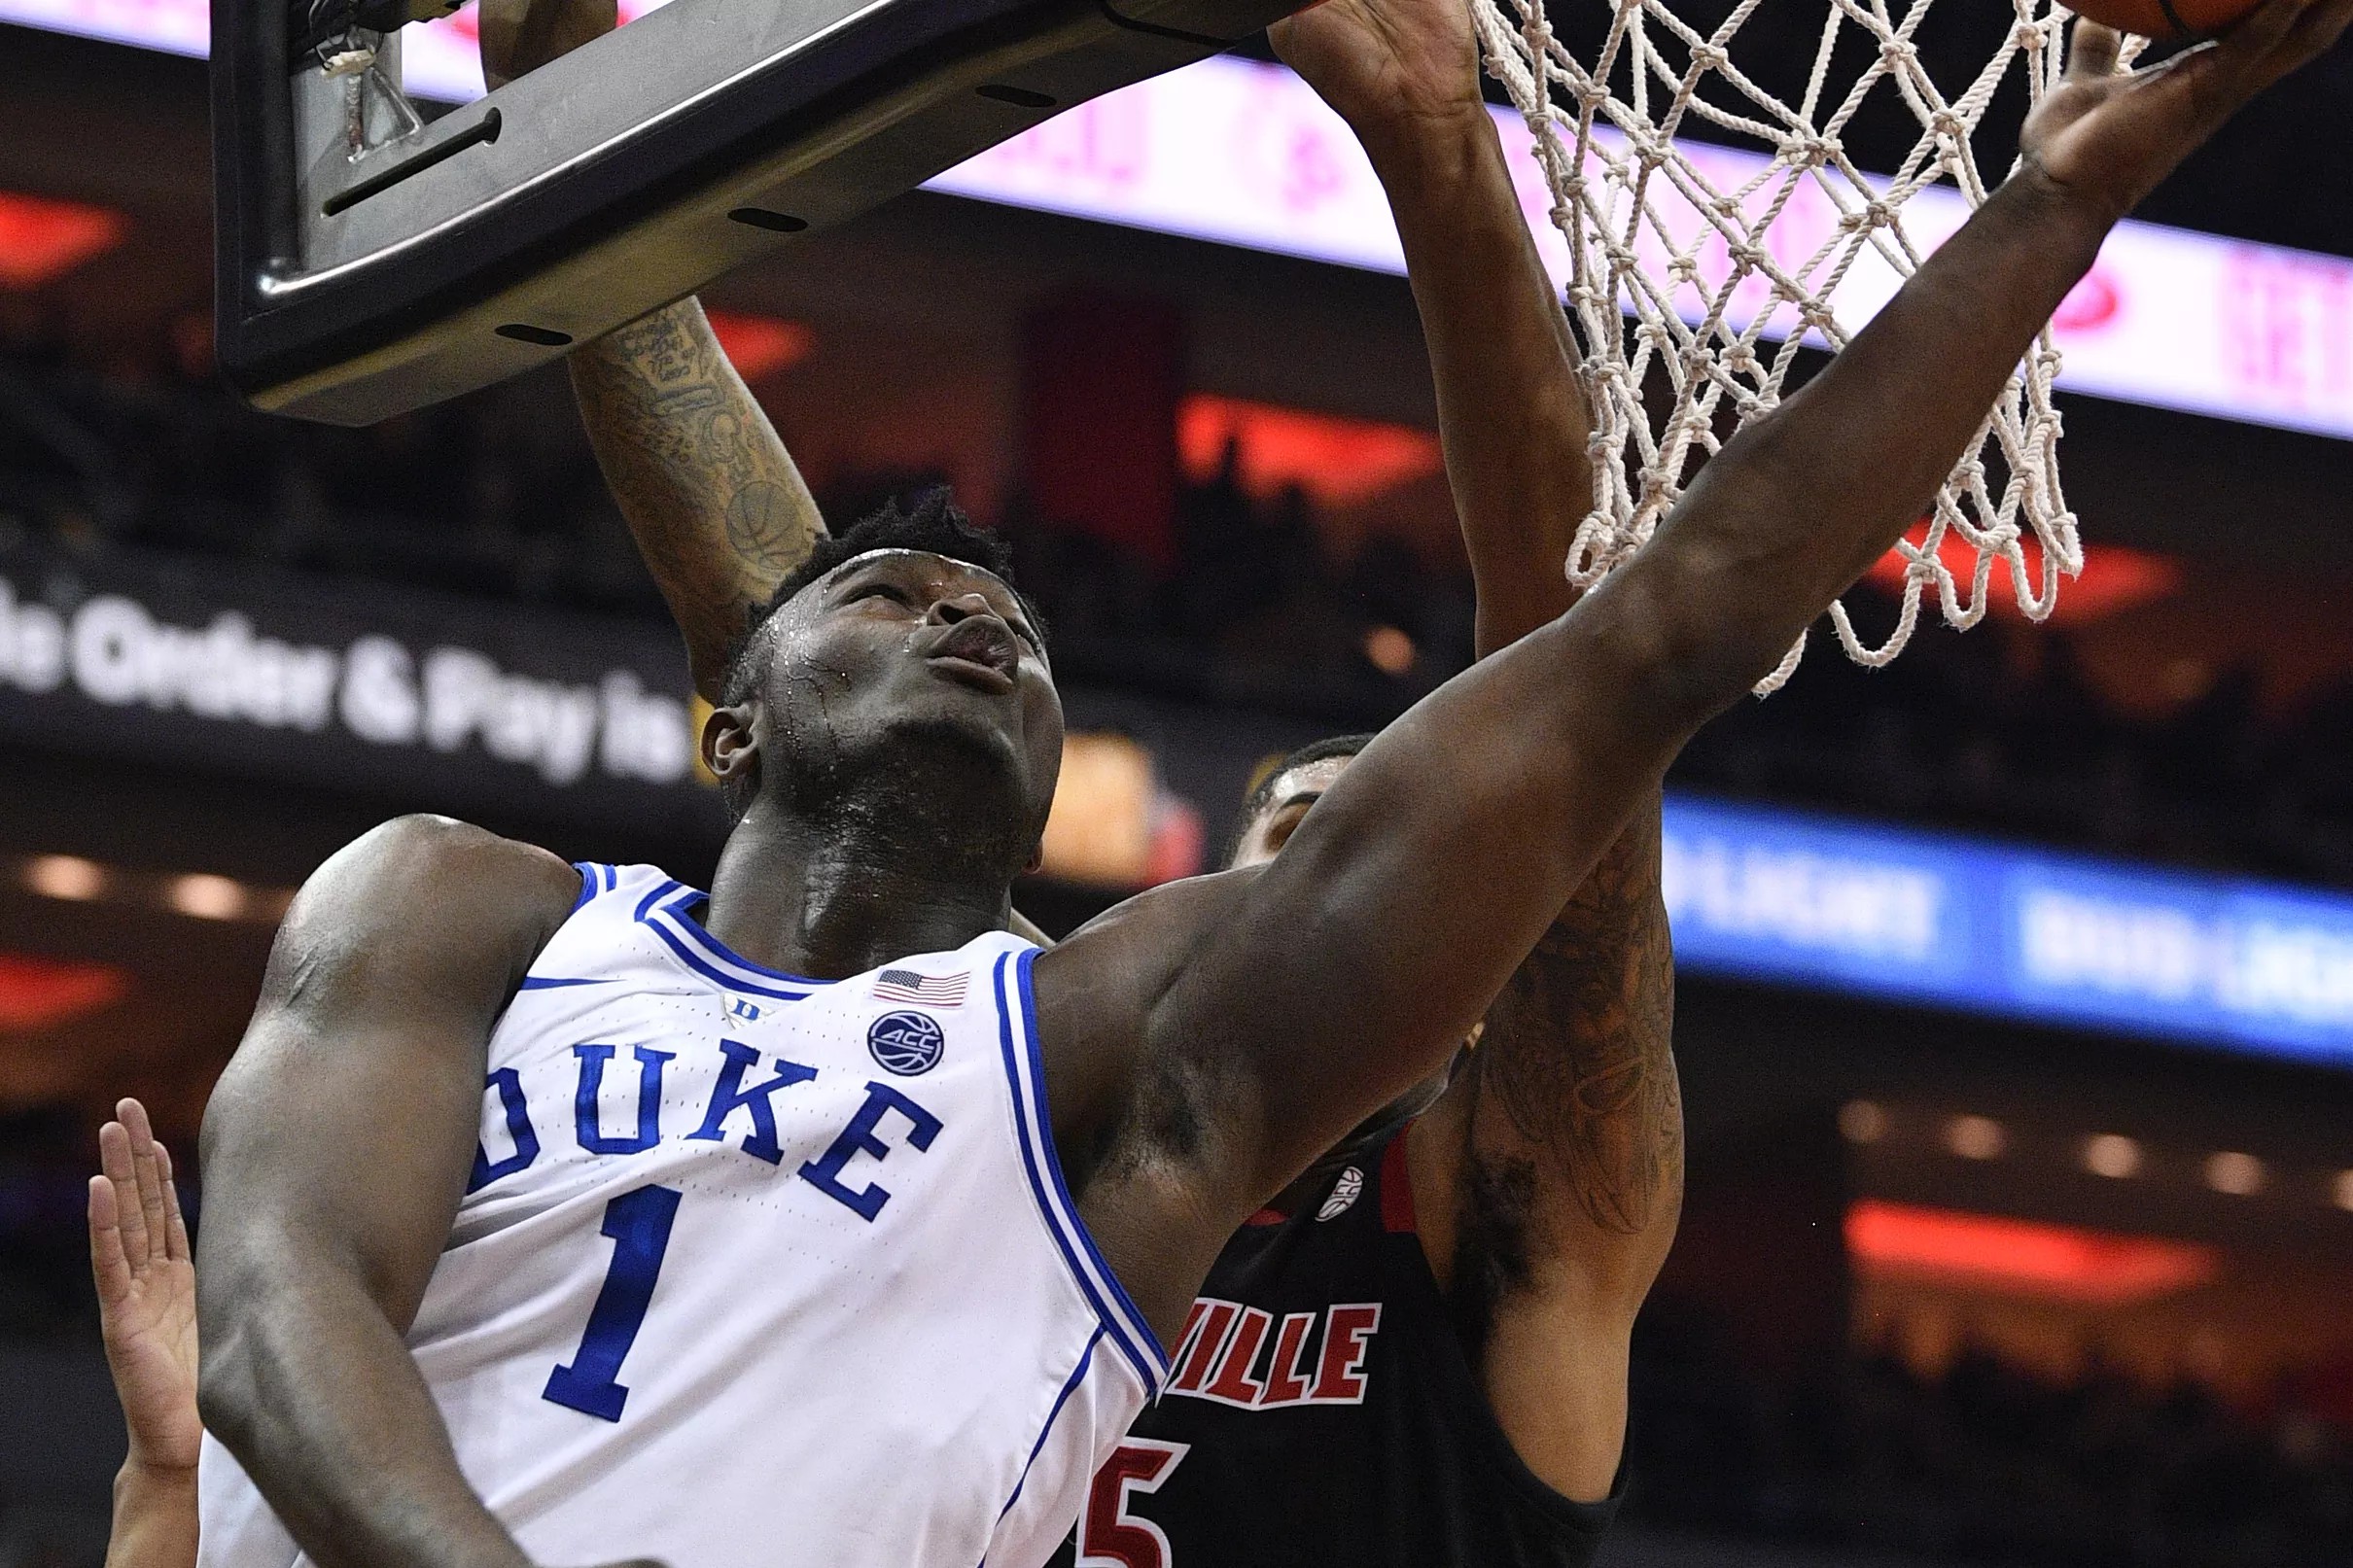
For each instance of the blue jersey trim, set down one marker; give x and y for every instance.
(667, 885)
(680, 934)
(1025, 962)
(590, 884)
(689, 957)
(1025, 1072)
(553, 981)
(715, 957)
(1079, 1375)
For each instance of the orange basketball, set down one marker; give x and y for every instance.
(2166, 19)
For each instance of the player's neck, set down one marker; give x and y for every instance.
(827, 900)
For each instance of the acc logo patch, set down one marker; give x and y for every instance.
(1345, 1192)
(906, 1043)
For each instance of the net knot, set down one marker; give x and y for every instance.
(1873, 214)
(1810, 150)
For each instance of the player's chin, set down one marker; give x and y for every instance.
(960, 719)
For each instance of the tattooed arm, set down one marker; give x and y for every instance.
(1561, 1147)
(1548, 1177)
(710, 495)
(709, 491)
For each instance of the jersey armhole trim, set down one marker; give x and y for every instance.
(1025, 1071)
(1069, 1386)
(595, 878)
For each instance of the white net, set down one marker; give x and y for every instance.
(1698, 272)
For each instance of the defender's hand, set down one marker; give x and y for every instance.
(2112, 138)
(1377, 61)
(147, 1292)
(519, 36)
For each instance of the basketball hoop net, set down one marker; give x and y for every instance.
(1700, 273)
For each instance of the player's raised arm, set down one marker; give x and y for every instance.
(1346, 970)
(336, 1150)
(710, 492)
(715, 504)
(1548, 1178)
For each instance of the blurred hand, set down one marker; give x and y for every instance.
(147, 1292)
(1386, 61)
(2113, 137)
(519, 36)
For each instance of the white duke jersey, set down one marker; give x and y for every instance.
(756, 1271)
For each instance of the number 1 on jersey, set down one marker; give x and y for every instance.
(639, 1224)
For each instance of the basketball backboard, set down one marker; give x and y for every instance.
(370, 263)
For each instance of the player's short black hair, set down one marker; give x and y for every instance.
(1262, 788)
(931, 522)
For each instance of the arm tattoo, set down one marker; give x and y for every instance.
(1577, 1051)
(707, 489)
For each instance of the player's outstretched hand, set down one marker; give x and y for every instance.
(519, 36)
(147, 1292)
(1377, 62)
(2112, 136)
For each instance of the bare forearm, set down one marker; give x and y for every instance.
(712, 496)
(324, 1406)
(1801, 503)
(1511, 415)
(154, 1519)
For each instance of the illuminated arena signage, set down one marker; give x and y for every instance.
(1242, 154)
(1781, 896)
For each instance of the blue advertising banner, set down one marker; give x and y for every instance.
(1779, 895)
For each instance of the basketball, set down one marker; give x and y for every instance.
(2167, 20)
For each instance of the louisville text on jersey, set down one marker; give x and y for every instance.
(1236, 1354)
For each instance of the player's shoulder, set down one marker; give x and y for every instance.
(424, 847)
(1096, 987)
(440, 877)
(1153, 932)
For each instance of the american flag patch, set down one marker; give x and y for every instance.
(906, 986)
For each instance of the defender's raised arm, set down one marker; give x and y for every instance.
(1302, 1000)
